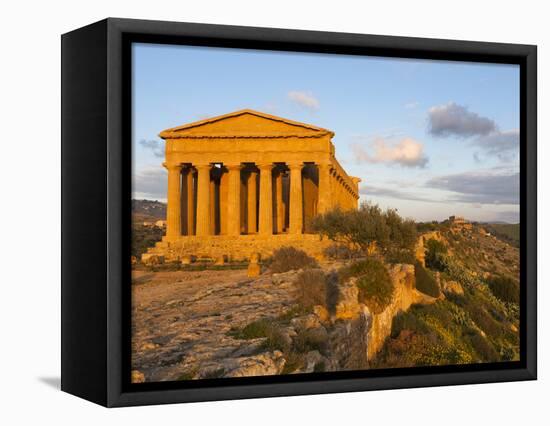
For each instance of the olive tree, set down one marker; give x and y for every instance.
(365, 227)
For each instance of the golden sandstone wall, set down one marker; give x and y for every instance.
(248, 182)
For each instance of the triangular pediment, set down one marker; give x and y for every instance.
(245, 124)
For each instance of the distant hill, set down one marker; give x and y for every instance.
(147, 210)
(506, 232)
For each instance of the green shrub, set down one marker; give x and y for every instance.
(504, 288)
(436, 255)
(310, 340)
(340, 251)
(263, 328)
(275, 340)
(144, 237)
(254, 330)
(407, 321)
(289, 258)
(484, 320)
(400, 256)
(310, 288)
(363, 227)
(483, 348)
(425, 281)
(373, 281)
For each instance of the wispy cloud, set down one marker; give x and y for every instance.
(150, 182)
(153, 145)
(380, 191)
(456, 120)
(412, 105)
(504, 145)
(304, 99)
(484, 187)
(407, 152)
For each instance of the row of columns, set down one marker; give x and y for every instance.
(196, 193)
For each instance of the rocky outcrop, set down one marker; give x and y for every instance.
(186, 324)
(358, 334)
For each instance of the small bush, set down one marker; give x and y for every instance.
(485, 321)
(289, 258)
(400, 256)
(310, 288)
(275, 340)
(373, 281)
(263, 328)
(483, 348)
(254, 330)
(407, 321)
(504, 288)
(436, 255)
(340, 251)
(310, 340)
(425, 281)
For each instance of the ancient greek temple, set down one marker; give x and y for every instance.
(249, 180)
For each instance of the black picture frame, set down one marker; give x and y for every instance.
(96, 182)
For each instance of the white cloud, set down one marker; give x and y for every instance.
(407, 153)
(305, 99)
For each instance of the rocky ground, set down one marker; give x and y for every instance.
(182, 321)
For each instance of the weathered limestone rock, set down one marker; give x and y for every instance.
(260, 365)
(349, 341)
(137, 376)
(186, 260)
(347, 305)
(147, 346)
(220, 260)
(313, 360)
(284, 277)
(322, 313)
(305, 322)
(452, 287)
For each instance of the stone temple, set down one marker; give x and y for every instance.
(247, 183)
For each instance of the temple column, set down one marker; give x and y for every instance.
(173, 209)
(296, 198)
(266, 200)
(251, 199)
(224, 179)
(279, 208)
(187, 201)
(234, 199)
(203, 199)
(190, 201)
(323, 203)
(212, 206)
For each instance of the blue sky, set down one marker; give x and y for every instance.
(430, 138)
